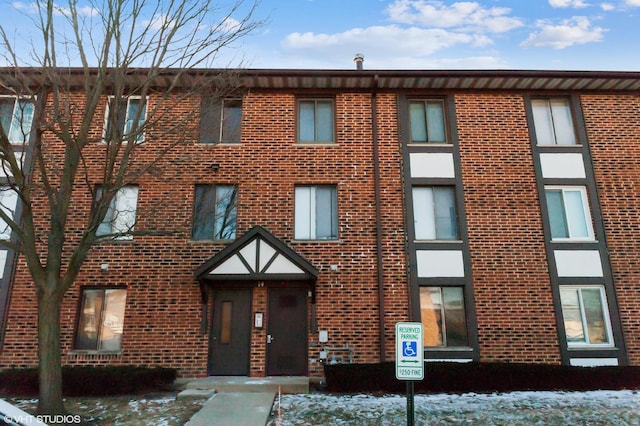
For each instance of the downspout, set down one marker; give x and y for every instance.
(376, 178)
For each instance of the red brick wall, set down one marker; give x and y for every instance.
(163, 311)
(516, 320)
(613, 129)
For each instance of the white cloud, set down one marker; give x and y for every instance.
(633, 2)
(57, 9)
(607, 7)
(568, 3)
(576, 30)
(410, 41)
(464, 16)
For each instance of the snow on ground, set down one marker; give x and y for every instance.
(515, 408)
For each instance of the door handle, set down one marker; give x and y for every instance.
(270, 338)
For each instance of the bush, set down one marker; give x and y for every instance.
(91, 381)
(453, 377)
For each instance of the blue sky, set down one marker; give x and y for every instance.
(426, 34)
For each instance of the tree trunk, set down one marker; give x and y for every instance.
(49, 354)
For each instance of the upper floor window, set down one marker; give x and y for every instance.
(315, 120)
(434, 213)
(443, 316)
(214, 212)
(427, 121)
(16, 117)
(125, 119)
(121, 215)
(220, 120)
(8, 203)
(553, 122)
(585, 315)
(101, 320)
(569, 215)
(316, 213)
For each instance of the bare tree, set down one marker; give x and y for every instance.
(94, 62)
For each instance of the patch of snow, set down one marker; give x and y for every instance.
(518, 408)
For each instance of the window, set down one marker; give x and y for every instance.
(585, 314)
(220, 120)
(316, 213)
(121, 215)
(125, 119)
(443, 316)
(214, 212)
(16, 117)
(552, 121)
(315, 120)
(8, 202)
(427, 121)
(569, 215)
(434, 213)
(101, 320)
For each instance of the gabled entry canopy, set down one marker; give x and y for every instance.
(257, 255)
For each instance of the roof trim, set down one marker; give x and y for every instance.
(367, 80)
(257, 255)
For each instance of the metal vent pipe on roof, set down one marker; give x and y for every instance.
(358, 59)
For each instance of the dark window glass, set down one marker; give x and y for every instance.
(215, 209)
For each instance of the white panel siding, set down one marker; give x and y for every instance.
(233, 265)
(282, 265)
(266, 253)
(578, 263)
(440, 263)
(594, 362)
(249, 254)
(432, 165)
(563, 166)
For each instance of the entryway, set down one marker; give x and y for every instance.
(287, 332)
(230, 336)
(260, 292)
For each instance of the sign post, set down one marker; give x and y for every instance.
(409, 360)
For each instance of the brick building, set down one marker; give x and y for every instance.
(318, 208)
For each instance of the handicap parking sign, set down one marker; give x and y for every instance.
(409, 351)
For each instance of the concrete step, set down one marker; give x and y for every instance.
(234, 409)
(251, 384)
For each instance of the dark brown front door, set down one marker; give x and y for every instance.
(230, 337)
(287, 332)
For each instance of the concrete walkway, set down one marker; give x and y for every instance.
(238, 401)
(235, 409)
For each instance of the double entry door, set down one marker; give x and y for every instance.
(232, 325)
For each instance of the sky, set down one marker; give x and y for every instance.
(421, 34)
(432, 34)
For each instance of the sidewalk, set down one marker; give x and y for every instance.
(235, 401)
(233, 409)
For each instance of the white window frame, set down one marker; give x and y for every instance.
(586, 211)
(552, 116)
(606, 316)
(140, 138)
(121, 216)
(18, 120)
(305, 219)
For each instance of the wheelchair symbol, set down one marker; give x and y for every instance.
(410, 349)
